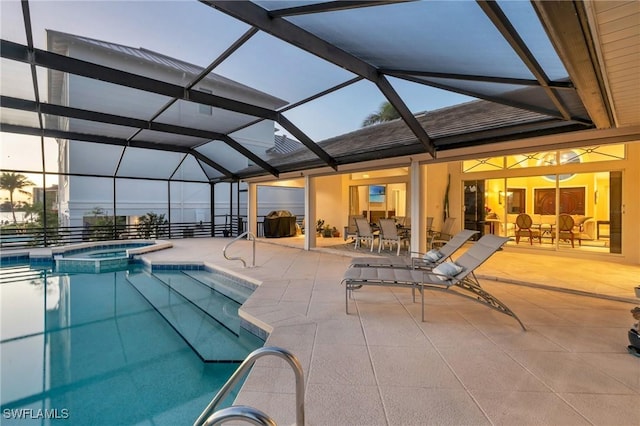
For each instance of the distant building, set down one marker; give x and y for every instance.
(50, 193)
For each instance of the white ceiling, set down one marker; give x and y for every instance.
(616, 25)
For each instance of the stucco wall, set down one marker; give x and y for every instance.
(329, 201)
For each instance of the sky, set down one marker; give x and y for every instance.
(193, 32)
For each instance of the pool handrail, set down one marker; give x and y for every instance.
(250, 236)
(240, 412)
(243, 369)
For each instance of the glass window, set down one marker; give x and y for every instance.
(535, 159)
(378, 201)
(483, 164)
(597, 153)
(581, 212)
(588, 154)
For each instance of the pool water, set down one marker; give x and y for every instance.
(106, 254)
(116, 348)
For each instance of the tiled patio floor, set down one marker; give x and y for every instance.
(466, 364)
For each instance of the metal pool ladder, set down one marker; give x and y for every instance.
(250, 414)
(250, 236)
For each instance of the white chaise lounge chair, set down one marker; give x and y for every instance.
(427, 260)
(455, 276)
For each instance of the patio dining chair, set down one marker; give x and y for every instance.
(427, 260)
(438, 239)
(389, 235)
(351, 230)
(429, 225)
(365, 233)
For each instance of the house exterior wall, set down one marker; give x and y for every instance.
(79, 195)
(332, 196)
(631, 204)
(330, 206)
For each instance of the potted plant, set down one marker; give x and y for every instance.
(335, 233)
(319, 227)
(327, 231)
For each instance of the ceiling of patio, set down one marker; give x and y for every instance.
(314, 69)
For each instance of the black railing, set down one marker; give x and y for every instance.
(30, 236)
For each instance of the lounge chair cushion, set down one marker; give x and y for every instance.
(433, 255)
(446, 270)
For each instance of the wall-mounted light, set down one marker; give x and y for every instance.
(501, 195)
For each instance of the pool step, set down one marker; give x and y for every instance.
(212, 341)
(19, 273)
(228, 286)
(215, 303)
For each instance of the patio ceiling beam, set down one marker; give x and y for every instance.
(327, 6)
(482, 78)
(307, 141)
(19, 52)
(208, 161)
(256, 16)
(396, 101)
(501, 22)
(320, 94)
(26, 16)
(508, 102)
(109, 140)
(110, 176)
(567, 26)
(63, 111)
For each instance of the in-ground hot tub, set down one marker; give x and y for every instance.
(102, 256)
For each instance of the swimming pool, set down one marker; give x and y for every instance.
(117, 348)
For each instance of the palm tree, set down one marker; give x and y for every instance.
(14, 182)
(386, 112)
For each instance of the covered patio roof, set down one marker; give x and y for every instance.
(459, 74)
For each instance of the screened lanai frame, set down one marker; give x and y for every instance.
(496, 51)
(297, 66)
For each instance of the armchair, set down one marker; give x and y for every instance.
(524, 228)
(565, 229)
(584, 228)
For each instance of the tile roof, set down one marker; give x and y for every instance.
(284, 145)
(449, 127)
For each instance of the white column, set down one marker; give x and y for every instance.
(252, 209)
(418, 211)
(309, 212)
